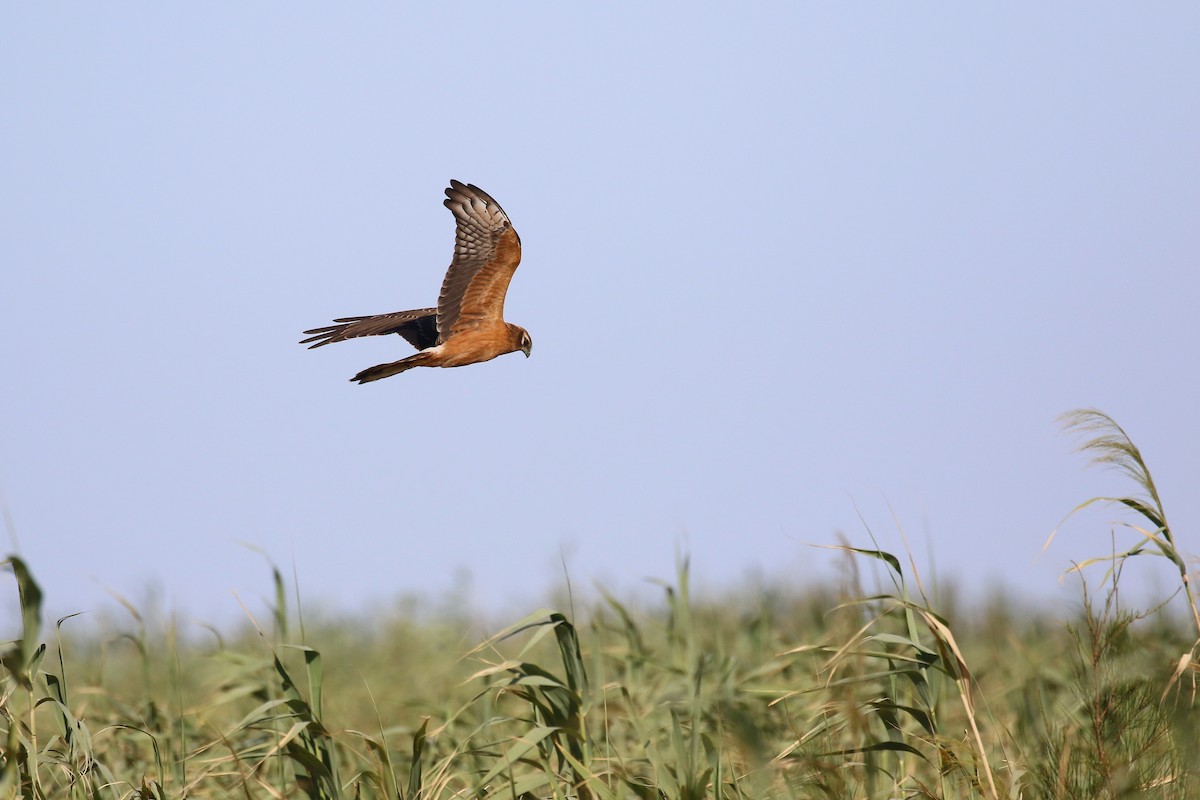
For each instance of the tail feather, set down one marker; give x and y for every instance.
(380, 371)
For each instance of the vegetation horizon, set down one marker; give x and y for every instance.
(840, 691)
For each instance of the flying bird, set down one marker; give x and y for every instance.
(468, 325)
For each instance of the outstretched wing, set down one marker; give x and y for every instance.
(418, 327)
(486, 253)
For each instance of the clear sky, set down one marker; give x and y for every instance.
(787, 267)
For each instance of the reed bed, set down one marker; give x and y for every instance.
(847, 690)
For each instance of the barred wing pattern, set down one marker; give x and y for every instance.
(486, 253)
(418, 327)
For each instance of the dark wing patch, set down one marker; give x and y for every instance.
(418, 327)
(485, 246)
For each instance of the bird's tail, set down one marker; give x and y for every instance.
(395, 368)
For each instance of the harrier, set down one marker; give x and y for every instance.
(468, 324)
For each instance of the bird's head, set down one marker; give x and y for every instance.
(521, 339)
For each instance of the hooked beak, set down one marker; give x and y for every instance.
(527, 349)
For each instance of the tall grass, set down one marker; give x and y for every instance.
(857, 690)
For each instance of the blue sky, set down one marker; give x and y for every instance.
(787, 267)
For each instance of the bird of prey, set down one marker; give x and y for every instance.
(468, 324)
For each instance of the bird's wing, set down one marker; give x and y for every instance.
(486, 253)
(418, 327)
